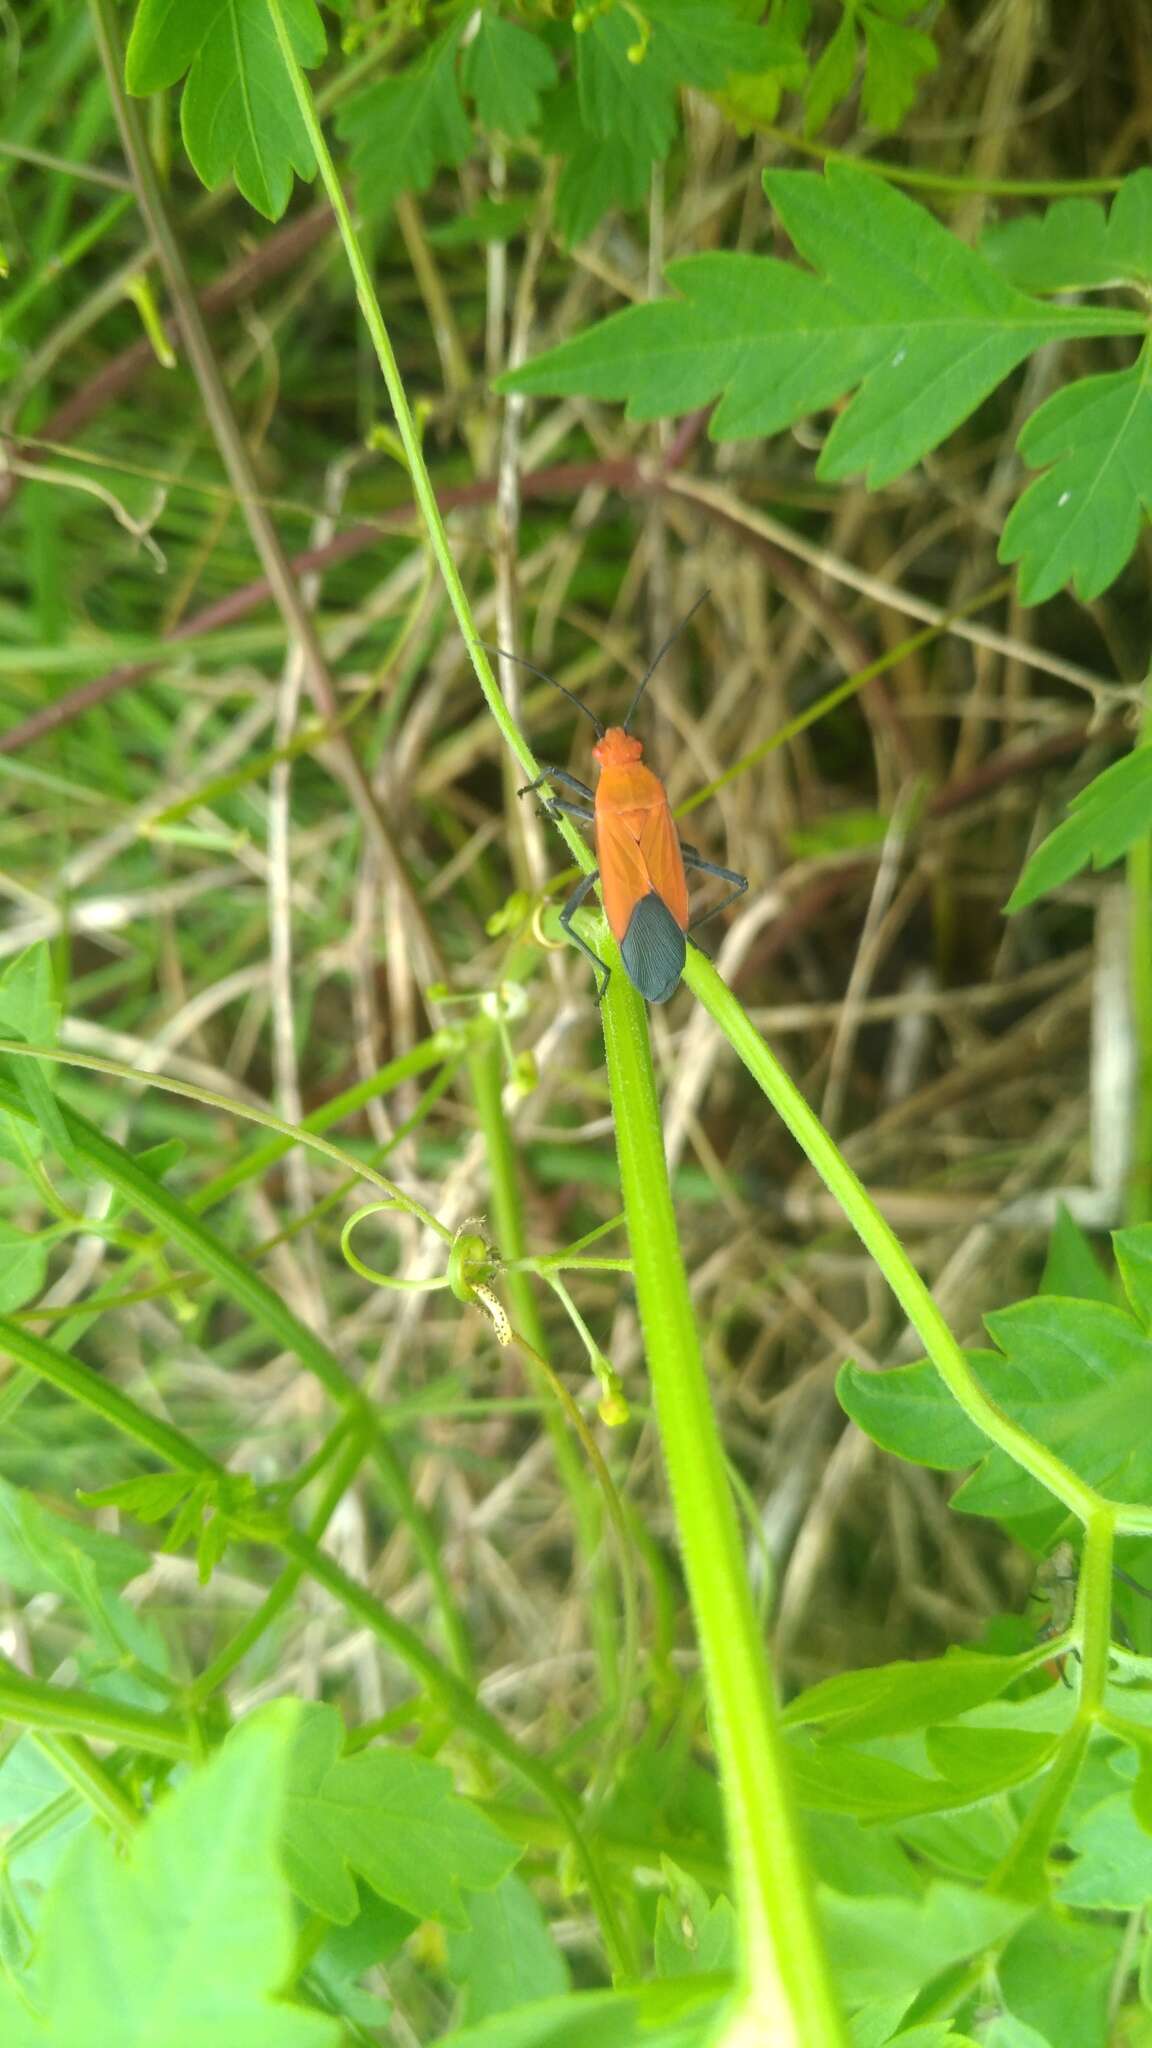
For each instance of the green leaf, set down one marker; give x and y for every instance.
(1007, 2032)
(506, 1956)
(1113, 1871)
(188, 1938)
(238, 115)
(752, 99)
(694, 1936)
(506, 70)
(407, 128)
(631, 103)
(832, 75)
(1103, 821)
(598, 173)
(884, 1947)
(830, 1777)
(891, 1699)
(31, 1788)
(898, 58)
(599, 2019)
(43, 1552)
(391, 1817)
(900, 309)
(1072, 247)
(149, 1498)
(1055, 1975)
(1077, 1375)
(23, 1266)
(29, 1012)
(1133, 1249)
(1079, 523)
(1071, 1266)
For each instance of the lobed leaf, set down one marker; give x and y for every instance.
(238, 115)
(189, 1938)
(506, 1956)
(506, 70)
(1077, 1375)
(1079, 523)
(894, 308)
(1073, 246)
(405, 129)
(391, 1817)
(1103, 821)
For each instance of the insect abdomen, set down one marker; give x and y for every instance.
(653, 949)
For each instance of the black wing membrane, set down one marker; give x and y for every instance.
(653, 949)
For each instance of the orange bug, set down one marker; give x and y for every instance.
(641, 856)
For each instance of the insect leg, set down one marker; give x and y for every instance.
(692, 859)
(577, 897)
(557, 803)
(559, 775)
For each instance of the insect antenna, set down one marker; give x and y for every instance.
(546, 678)
(659, 656)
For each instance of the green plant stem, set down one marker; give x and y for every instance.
(790, 1993)
(96, 1786)
(486, 1074)
(1023, 1871)
(881, 1242)
(405, 424)
(1139, 1191)
(940, 181)
(70, 1711)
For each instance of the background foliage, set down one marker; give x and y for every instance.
(349, 1694)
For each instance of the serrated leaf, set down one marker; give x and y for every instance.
(1077, 1375)
(1055, 1975)
(597, 173)
(23, 1266)
(601, 2019)
(506, 70)
(900, 308)
(1079, 523)
(622, 101)
(832, 1777)
(833, 74)
(1103, 821)
(407, 128)
(390, 1816)
(148, 1498)
(1074, 247)
(188, 1937)
(238, 115)
(1071, 1266)
(884, 1947)
(752, 99)
(1113, 1871)
(506, 1956)
(898, 58)
(891, 1699)
(43, 1552)
(695, 1936)
(1133, 1249)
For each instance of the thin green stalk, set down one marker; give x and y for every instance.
(881, 1242)
(1139, 1191)
(791, 1998)
(70, 1711)
(405, 424)
(96, 1786)
(100, 1397)
(486, 1074)
(940, 181)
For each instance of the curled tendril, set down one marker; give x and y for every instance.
(470, 1265)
